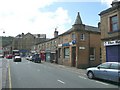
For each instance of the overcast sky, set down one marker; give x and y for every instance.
(43, 16)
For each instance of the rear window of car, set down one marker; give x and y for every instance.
(115, 66)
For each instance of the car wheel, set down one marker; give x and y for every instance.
(90, 75)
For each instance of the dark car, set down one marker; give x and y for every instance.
(36, 58)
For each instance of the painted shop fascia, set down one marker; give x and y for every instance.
(111, 43)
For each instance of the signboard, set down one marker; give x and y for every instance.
(82, 48)
(109, 43)
(66, 44)
(59, 45)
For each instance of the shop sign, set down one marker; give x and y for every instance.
(66, 44)
(47, 50)
(59, 45)
(82, 48)
(109, 43)
(73, 42)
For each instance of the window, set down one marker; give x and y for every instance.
(73, 36)
(113, 23)
(92, 53)
(114, 66)
(82, 37)
(66, 52)
(104, 65)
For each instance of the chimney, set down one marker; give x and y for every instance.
(115, 3)
(22, 34)
(55, 33)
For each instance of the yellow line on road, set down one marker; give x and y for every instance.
(9, 76)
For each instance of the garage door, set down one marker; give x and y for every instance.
(113, 53)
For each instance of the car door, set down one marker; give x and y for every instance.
(113, 72)
(101, 71)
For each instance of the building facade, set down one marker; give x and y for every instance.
(78, 47)
(110, 33)
(24, 42)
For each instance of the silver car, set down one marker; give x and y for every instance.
(107, 71)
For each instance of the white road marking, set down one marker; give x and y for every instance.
(82, 77)
(61, 81)
(38, 70)
(101, 83)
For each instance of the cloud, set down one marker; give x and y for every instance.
(108, 2)
(17, 16)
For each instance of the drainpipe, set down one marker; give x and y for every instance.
(89, 52)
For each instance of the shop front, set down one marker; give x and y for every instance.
(112, 51)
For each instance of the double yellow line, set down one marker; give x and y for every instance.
(9, 77)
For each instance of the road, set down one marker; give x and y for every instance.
(27, 74)
(0, 73)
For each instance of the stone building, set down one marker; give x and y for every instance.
(110, 32)
(78, 47)
(24, 42)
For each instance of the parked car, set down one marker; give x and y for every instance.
(28, 57)
(17, 58)
(1, 56)
(107, 71)
(36, 58)
(9, 56)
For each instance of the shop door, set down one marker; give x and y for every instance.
(48, 57)
(73, 56)
(113, 53)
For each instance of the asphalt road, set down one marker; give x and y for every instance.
(27, 74)
(0, 73)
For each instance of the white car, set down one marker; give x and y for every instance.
(29, 58)
(17, 59)
(1, 56)
(108, 71)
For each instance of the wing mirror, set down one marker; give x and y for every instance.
(98, 67)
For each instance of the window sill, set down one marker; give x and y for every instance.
(113, 32)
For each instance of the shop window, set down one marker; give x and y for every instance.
(82, 37)
(114, 23)
(66, 52)
(92, 53)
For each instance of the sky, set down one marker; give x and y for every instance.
(43, 16)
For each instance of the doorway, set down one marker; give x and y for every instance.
(73, 56)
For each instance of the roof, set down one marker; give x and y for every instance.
(111, 8)
(78, 19)
(91, 28)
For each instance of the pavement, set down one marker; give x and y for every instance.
(3, 72)
(0, 74)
